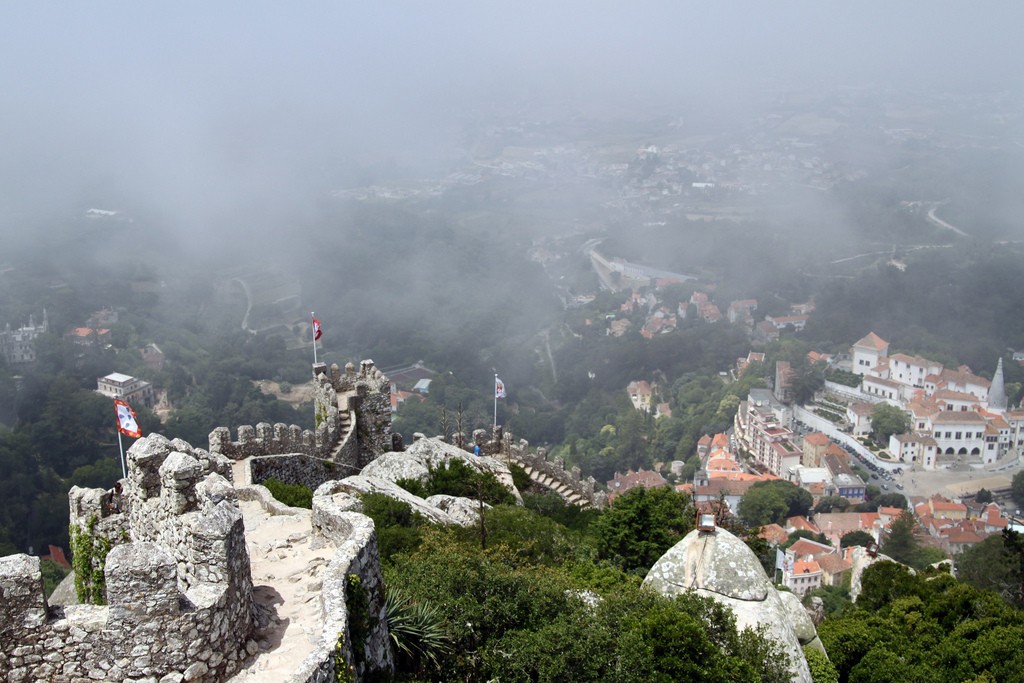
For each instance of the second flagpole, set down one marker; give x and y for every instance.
(312, 314)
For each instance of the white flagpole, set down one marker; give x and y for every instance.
(495, 399)
(124, 471)
(312, 316)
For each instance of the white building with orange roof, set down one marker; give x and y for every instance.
(774, 534)
(752, 357)
(762, 431)
(884, 388)
(834, 569)
(918, 448)
(963, 433)
(867, 352)
(963, 380)
(944, 508)
(1015, 420)
(859, 417)
(801, 523)
(742, 311)
(912, 370)
(804, 576)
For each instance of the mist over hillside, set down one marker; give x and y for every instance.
(429, 180)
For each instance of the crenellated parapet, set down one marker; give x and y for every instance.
(264, 439)
(352, 421)
(176, 579)
(365, 393)
(549, 474)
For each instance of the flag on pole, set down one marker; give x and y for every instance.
(127, 423)
(317, 333)
(499, 388)
(780, 559)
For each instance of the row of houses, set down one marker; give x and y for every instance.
(952, 412)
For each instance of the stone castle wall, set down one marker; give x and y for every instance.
(177, 579)
(368, 392)
(500, 445)
(353, 534)
(263, 439)
(296, 468)
(352, 415)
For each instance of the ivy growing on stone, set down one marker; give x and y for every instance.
(89, 558)
(360, 621)
(343, 671)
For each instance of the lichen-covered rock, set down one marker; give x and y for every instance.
(360, 484)
(426, 453)
(721, 566)
(801, 621)
(861, 560)
(465, 511)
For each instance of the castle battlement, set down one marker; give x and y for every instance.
(353, 421)
(549, 474)
(264, 439)
(176, 579)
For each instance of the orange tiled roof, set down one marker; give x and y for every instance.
(806, 567)
(872, 341)
(773, 533)
(817, 439)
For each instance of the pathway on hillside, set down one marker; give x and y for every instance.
(943, 224)
(286, 577)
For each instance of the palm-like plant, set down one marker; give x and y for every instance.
(417, 631)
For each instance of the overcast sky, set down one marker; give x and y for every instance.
(202, 109)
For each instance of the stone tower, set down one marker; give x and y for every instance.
(997, 391)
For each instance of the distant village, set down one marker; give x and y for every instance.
(958, 420)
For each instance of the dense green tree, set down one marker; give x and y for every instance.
(887, 420)
(902, 545)
(832, 504)
(923, 628)
(893, 499)
(883, 582)
(822, 670)
(772, 502)
(858, 537)
(989, 565)
(508, 620)
(398, 527)
(764, 505)
(984, 496)
(637, 529)
(1017, 488)
(530, 536)
(836, 599)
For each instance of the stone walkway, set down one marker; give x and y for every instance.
(286, 576)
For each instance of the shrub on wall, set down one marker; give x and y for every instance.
(292, 495)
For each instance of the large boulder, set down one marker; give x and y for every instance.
(720, 566)
(361, 484)
(860, 560)
(465, 511)
(416, 462)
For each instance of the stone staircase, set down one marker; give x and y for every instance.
(344, 430)
(555, 480)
